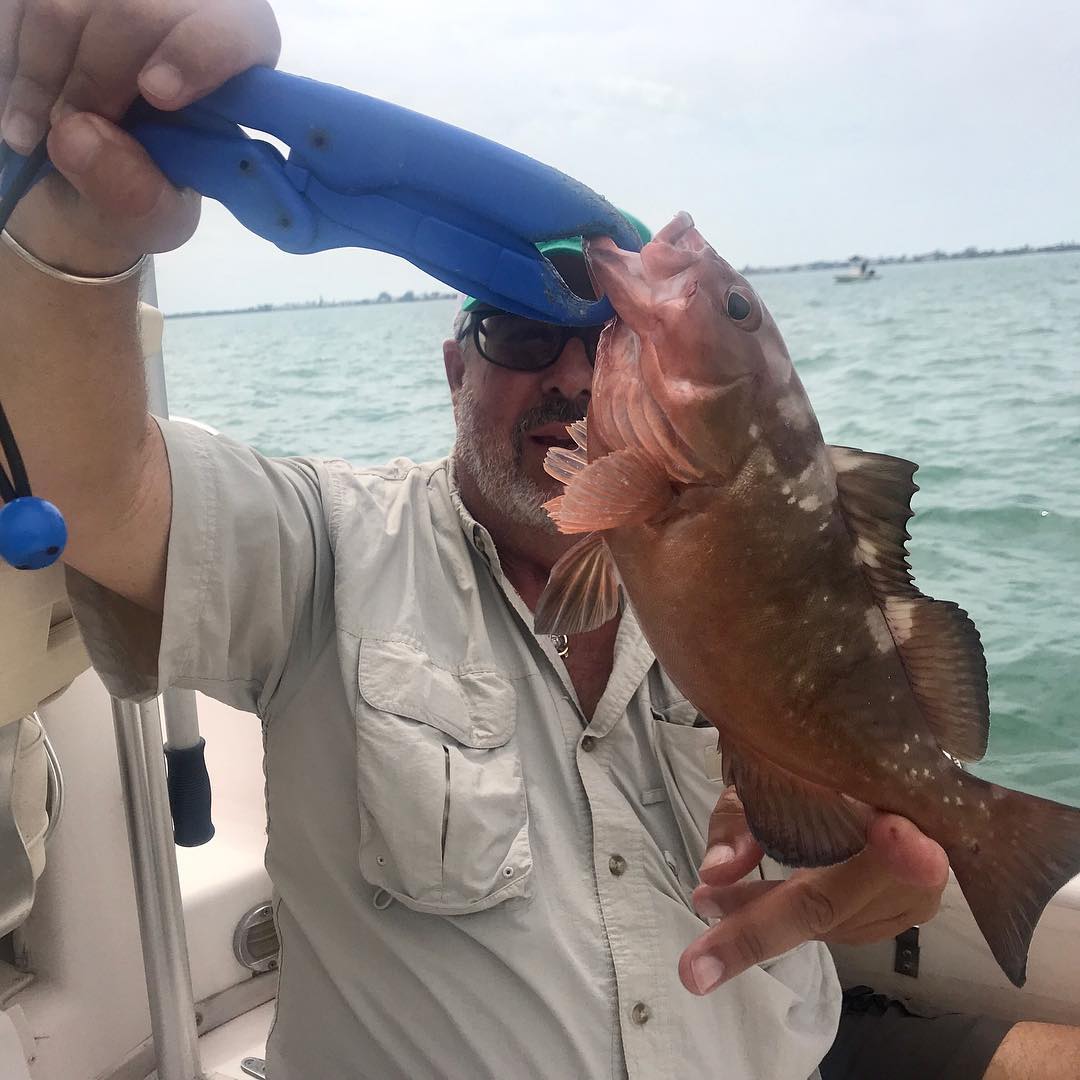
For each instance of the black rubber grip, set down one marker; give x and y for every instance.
(189, 795)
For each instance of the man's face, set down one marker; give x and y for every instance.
(508, 420)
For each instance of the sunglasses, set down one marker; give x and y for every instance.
(511, 341)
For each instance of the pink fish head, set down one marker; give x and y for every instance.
(694, 330)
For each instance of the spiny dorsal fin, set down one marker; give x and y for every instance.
(796, 822)
(582, 592)
(937, 642)
(579, 432)
(621, 488)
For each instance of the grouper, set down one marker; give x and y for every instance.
(769, 573)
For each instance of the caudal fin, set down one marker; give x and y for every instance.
(1020, 852)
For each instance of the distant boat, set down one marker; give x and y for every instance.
(860, 272)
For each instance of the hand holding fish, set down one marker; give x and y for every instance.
(895, 882)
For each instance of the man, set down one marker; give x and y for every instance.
(484, 843)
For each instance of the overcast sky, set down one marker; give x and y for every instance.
(790, 130)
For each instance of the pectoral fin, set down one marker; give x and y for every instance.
(937, 642)
(582, 592)
(797, 823)
(622, 488)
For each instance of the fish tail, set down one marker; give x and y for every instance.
(1013, 855)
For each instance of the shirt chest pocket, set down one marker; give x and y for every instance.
(443, 816)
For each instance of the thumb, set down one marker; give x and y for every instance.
(125, 200)
(907, 853)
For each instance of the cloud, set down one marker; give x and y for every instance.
(790, 130)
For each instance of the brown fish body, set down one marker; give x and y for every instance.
(769, 573)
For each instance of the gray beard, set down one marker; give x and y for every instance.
(495, 466)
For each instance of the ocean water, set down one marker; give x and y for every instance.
(970, 368)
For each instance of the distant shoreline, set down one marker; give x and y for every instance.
(901, 260)
(409, 297)
(412, 297)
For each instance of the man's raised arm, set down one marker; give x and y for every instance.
(71, 376)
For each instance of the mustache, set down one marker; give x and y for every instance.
(547, 412)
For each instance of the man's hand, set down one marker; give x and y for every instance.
(894, 883)
(79, 64)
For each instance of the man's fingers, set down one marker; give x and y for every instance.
(44, 48)
(118, 39)
(857, 933)
(135, 203)
(909, 855)
(800, 909)
(731, 851)
(716, 903)
(204, 50)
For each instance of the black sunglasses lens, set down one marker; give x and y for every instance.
(526, 344)
(514, 342)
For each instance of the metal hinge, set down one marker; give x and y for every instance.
(254, 1067)
(907, 953)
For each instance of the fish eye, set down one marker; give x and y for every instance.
(738, 305)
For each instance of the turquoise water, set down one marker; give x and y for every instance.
(970, 368)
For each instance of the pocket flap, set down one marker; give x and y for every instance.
(477, 708)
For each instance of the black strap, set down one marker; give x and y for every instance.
(18, 486)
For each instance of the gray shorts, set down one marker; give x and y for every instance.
(881, 1038)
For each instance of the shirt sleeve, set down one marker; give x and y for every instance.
(248, 582)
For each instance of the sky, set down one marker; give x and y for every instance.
(791, 131)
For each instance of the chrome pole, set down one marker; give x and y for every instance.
(141, 754)
(157, 889)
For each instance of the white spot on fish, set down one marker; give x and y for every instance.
(809, 502)
(926, 772)
(791, 500)
(754, 431)
(805, 475)
(794, 410)
(867, 552)
(913, 773)
(900, 615)
(879, 631)
(786, 489)
(958, 802)
(918, 738)
(823, 526)
(839, 649)
(945, 799)
(907, 748)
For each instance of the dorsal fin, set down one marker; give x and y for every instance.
(937, 642)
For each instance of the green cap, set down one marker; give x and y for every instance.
(570, 245)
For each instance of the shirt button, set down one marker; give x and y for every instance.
(588, 744)
(640, 1013)
(617, 865)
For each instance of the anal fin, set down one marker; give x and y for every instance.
(582, 592)
(798, 823)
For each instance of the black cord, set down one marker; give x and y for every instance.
(24, 179)
(19, 484)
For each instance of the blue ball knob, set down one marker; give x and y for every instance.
(32, 533)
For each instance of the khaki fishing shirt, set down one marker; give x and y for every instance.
(471, 880)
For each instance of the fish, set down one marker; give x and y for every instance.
(769, 573)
